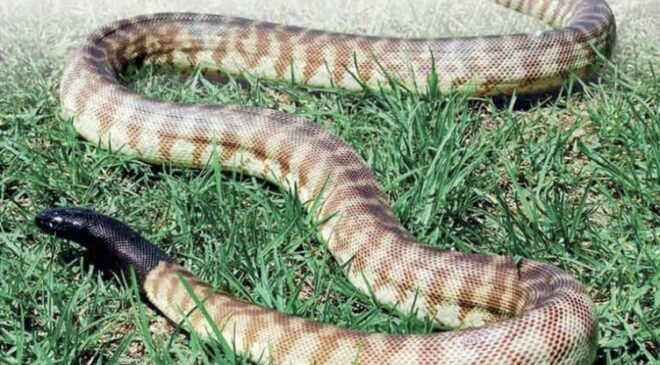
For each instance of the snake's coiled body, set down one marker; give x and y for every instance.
(527, 313)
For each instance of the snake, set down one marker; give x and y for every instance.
(489, 309)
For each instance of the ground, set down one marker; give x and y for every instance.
(573, 180)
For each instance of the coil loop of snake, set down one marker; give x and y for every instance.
(505, 312)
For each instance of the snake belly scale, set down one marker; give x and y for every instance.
(507, 312)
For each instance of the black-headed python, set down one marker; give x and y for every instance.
(507, 312)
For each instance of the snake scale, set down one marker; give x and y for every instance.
(504, 312)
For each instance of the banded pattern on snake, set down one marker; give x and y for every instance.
(526, 312)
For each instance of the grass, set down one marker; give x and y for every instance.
(572, 180)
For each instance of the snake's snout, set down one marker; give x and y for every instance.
(45, 222)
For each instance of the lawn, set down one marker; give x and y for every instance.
(573, 180)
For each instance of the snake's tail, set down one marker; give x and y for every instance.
(110, 242)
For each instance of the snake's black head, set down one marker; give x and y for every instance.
(111, 243)
(68, 223)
